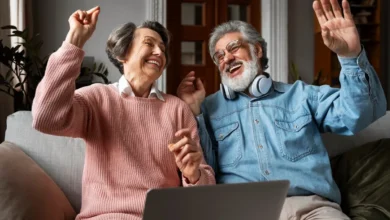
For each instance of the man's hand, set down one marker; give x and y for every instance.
(339, 33)
(82, 24)
(190, 94)
(188, 155)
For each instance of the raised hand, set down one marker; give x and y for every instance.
(190, 94)
(82, 24)
(188, 155)
(338, 32)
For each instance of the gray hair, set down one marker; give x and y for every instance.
(249, 33)
(121, 38)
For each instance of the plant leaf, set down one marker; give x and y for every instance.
(17, 33)
(18, 85)
(100, 67)
(103, 77)
(14, 49)
(8, 75)
(25, 80)
(7, 27)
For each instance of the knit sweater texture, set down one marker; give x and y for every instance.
(126, 137)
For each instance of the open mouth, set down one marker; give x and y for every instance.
(234, 68)
(153, 62)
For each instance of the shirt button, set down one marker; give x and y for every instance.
(256, 121)
(266, 172)
(260, 146)
(221, 136)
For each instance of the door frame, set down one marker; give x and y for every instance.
(156, 11)
(274, 29)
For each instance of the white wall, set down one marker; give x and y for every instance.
(51, 21)
(301, 38)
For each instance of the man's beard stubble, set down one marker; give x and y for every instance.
(242, 82)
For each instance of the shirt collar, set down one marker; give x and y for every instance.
(125, 88)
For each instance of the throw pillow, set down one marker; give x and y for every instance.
(363, 176)
(26, 191)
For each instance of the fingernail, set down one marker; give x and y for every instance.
(170, 147)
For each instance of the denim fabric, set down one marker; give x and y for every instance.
(277, 136)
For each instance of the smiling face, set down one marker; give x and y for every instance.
(145, 59)
(237, 61)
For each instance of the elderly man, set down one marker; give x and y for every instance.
(256, 129)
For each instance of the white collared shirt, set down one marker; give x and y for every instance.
(124, 88)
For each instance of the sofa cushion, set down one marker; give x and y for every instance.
(62, 158)
(363, 176)
(338, 144)
(26, 191)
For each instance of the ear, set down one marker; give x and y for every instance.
(121, 60)
(259, 51)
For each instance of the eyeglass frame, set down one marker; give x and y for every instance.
(229, 50)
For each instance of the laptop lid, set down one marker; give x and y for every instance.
(259, 200)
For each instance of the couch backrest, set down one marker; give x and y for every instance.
(61, 158)
(337, 144)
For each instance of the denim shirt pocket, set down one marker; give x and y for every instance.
(229, 144)
(295, 137)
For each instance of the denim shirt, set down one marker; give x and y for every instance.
(277, 136)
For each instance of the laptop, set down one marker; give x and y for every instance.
(248, 201)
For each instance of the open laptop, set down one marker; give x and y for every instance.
(260, 200)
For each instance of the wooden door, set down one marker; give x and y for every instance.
(190, 23)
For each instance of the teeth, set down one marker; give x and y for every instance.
(234, 67)
(154, 62)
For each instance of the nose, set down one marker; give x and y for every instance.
(157, 51)
(228, 57)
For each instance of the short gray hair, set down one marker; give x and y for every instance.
(249, 33)
(121, 38)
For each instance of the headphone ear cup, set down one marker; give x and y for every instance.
(254, 89)
(260, 86)
(265, 84)
(227, 92)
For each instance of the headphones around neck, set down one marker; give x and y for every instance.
(260, 86)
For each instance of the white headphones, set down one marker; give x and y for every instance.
(260, 86)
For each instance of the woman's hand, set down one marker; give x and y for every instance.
(82, 24)
(188, 155)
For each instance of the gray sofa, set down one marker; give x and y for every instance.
(63, 158)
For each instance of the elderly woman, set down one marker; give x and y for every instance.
(137, 137)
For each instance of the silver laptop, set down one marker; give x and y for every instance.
(243, 201)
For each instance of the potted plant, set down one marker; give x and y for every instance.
(294, 76)
(26, 69)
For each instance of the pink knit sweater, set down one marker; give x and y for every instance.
(126, 137)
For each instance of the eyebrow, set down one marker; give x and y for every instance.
(154, 39)
(230, 42)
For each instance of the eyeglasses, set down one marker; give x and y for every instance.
(232, 47)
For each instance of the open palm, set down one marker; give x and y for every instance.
(338, 32)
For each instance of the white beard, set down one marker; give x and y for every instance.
(241, 83)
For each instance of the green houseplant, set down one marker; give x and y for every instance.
(294, 75)
(25, 68)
